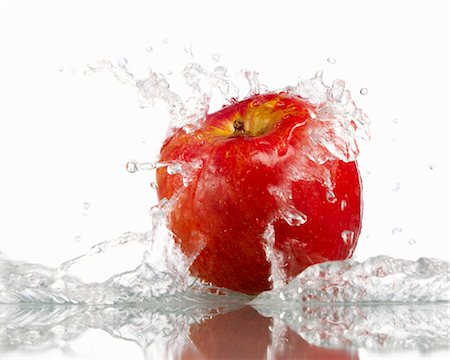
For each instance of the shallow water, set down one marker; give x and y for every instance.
(225, 331)
(339, 310)
(381, 279)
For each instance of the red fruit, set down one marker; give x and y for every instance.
(256, 174)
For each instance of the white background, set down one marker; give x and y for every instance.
(65, 138)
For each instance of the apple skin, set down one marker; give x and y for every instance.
(246, 150)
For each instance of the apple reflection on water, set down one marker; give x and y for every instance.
(228, 331)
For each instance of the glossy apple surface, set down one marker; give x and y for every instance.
(259, 188)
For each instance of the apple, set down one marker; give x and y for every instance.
(263, 195)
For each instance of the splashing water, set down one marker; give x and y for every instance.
(376, 328)
(165, 334)
(378, 279)
(159, 306)
(163, 274)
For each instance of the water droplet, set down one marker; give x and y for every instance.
(319, 74)
(282, 148)
(379, 272)
(368, 172)
(312, 114)
(331, 61)
(363, 91)
(151, 166)
(253, 81)
(169, 72)
(132, 166)
(86, 206)
(153, 185)
(61, 68)
(343, 205)
(149, 49)
(348, 236)
(221, 70)
(432, 166)
(396, 187)
(215, 57)
(255, 102)
(122, 62)
(165, 41)
(174, 168)
(294, 217)
(396, 231)
(411, 241)
(331, 198)
(78, 238)
(337, 90)
(143, 142)
(395, 121)
(163, 84)
(188, 51)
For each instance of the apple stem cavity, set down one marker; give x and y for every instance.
(239, 126)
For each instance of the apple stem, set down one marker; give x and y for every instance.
(238, 126)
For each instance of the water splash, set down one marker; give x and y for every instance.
(287, 210)
(423, 327)
(336, 128)
(339, 124)
(86, 207)
(162, 277)
(274, 257)
(134, 166)
(397, 230)
(396, 187)
(166, 331)
(215, 57)
(378, 279)
(348, 236)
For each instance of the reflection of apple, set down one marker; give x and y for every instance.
(240, 334)
(245, 334)
(256, 176)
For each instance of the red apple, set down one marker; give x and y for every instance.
(263, 169)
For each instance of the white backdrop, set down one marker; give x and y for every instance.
(65, 138)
